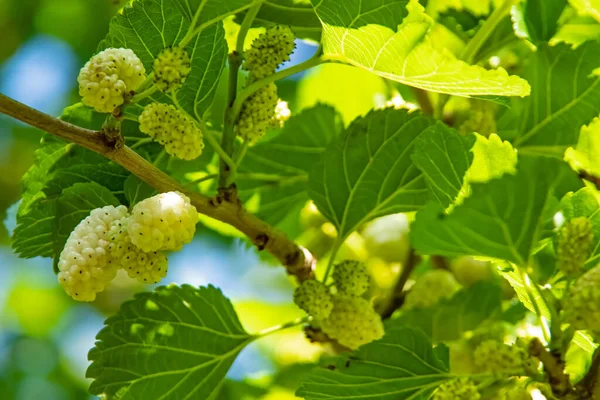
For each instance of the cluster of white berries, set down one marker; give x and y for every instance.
(430, 288)
(343, 316)
(110, 239)
(146, 267)
(85, 264)
(173, 129)
(260, 110)
(166, 221)
(108, 77)
(171, 67)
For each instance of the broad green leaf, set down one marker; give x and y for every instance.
(566, 95)
(297, 14)
(502, 218)
(137, 190)
(367, 172)
(108, 174)
(149, 26)
(450, 320)
(541, 18)
(36, 228)
(392, 40)
(277, 170)
(585, 203)
(175, 342)
(401, 365)
(587, 7)
(492, 158)
(576, 31)
(444, 157)
(208, 12)
(586, 155)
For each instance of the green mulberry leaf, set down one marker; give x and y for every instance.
(175, 342)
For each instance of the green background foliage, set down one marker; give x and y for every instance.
(487, 168)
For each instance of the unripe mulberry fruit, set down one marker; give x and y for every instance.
(171, 67)
(494, 356)
(457, 389)
(582, 303)
(352, 322)
(173, 129)
(351, 278)
(313, 297)
(108, 77)
(257, 113)
(145, 267)
(469, 271)
(574, 244)
(85, 264)
(387, 238)
(268, 51)
(430, 288)
(166, 221)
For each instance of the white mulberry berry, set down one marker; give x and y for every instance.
(173, 129)
(145, 267)
(430, 288)
(494, 356)
(351, 278)
(574, 244)
(268, 50)
(582, 303)
(108, 77)
(457, 389)
(352, 322)
(257, 113)
(166, 221)
(313, 297)
(171, 67)
(85, 264)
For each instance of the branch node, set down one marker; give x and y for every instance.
(261, 241)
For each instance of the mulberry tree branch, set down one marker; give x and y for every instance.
(298, 261)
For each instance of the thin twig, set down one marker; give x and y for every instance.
(296, 259)
(228, 140)
(397, 299)
(554, 367)
(423, 100)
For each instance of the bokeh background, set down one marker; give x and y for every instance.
(44, 335)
